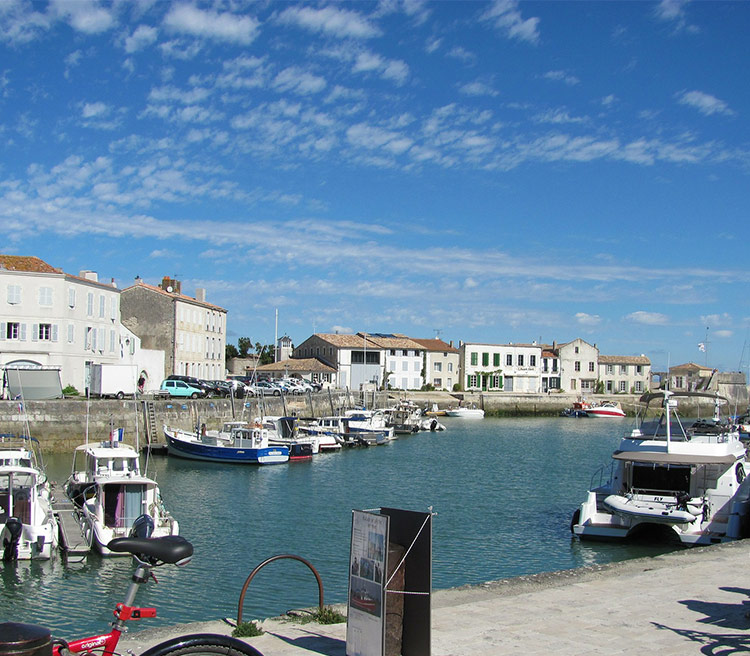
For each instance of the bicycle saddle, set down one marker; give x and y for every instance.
(172, 549)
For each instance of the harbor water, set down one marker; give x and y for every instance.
(503, 491)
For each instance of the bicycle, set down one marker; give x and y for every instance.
(149, 553)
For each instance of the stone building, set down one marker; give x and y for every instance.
(190, 331)
(625, 373)
(501, 367)
(578, 366)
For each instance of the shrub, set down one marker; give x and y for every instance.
(69, 390)
(247, 630)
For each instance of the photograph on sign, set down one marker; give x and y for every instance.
(366, 613)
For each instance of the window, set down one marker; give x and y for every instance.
(585, 385)
(610, 369)
(416, 366)
(71, 297)
(576, 350)
(474, 359)
(509, 360)
(393, 352)
(113, 308)
(14, 294)
(13, 330)
(450, 366)
(496, 381)
(638, 369)
(71, 333)
(471, 381)
(577, 366)
(45, 296)
(90, 304)
(111, 341)
(404, 366)
(437, 382)
(623, 386)
(102, 305)
(437, 366)
(90, 334)
(520, 359)
(532, 361)
(591, 366)
(485, 359)
(623, 369)
(638, 386)
(45, 332)
(495, 359)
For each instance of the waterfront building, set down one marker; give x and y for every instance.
(500, 367)
(578, 366)
(52, 319)
(624, 374)
(441, 363)
(550, 369)
(189, 331)
(375, 359)
(313, 370)
(690, 377)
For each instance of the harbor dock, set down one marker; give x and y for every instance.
(692, 601)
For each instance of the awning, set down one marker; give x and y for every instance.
(662, 458)
(34, 384)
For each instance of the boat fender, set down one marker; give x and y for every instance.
(739, 472)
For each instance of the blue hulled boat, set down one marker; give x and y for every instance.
(243, 445)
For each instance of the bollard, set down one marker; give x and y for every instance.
(24, 640)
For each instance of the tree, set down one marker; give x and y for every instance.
(244, 344)
(231, 351)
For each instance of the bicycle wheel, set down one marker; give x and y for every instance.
(200, 644)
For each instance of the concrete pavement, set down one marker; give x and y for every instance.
(688, 602)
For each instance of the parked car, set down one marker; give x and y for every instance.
(223, 387)
(182, 389)
(239, 388)
(209, 388)
(266, 388)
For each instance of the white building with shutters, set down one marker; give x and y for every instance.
(49, 318)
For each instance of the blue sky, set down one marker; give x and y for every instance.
(480, 171)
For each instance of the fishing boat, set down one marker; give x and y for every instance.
(28, 527)
(687, 481)
(466, 412)
(111, 493)
(246, 444)
(284, 431)
(608, 409)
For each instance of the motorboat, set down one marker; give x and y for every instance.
(284, 431)
(609, 409)
(28, 526)
(689, 479)
(111, 493)
(245, 444)
(466, 412)
(369, 421)
(347, 430)
(405, 418)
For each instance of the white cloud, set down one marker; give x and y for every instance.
(648, 318)
(506, 16)
(562, 76)
(673, 11)
(704, 103)
(297, 81)
(588, 319)
(143, 37)
(457, 52)
(477, 88)
(395, 70)
(226, 26)
(86, 16)
(609, 100)
(20, 25)
(92, 110)
(330, 20)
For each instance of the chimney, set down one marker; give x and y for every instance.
(170, 285)
(200, 294)
(113, 283)
(89, 275)
(450, 343)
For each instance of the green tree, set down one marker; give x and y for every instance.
(231, 351)
(244, 345)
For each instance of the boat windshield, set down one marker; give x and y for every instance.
(15, 495)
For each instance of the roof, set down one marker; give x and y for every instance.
(26, 263)
(689, 366)
(345, 341)
(623, 359)
(299, 365)
(173, 295)
(392, 341)
(435, 345)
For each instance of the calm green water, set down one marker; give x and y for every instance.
(504, 491)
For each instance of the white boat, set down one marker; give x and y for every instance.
(369, 421)
(687, 481)
(107, 486)
(607, 409)
(28, 527)
(347, 430)
(468, 412)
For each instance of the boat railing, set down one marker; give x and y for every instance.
(601, 476)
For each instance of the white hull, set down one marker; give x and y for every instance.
(468, 413)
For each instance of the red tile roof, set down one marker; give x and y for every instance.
(26, 263)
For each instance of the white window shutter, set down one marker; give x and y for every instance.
(3, 328)
(54, 332)
(23, 332)
(34, 332)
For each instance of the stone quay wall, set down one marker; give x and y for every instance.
(61, 425)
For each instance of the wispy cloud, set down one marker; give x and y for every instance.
(505, 15)
(648, 318)
(477, 88)
(585, 319)
(705, 103)
(330, 20)
(227, 27)
(562, 76)
(673, 11)
(87, 16)
(142, 37)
